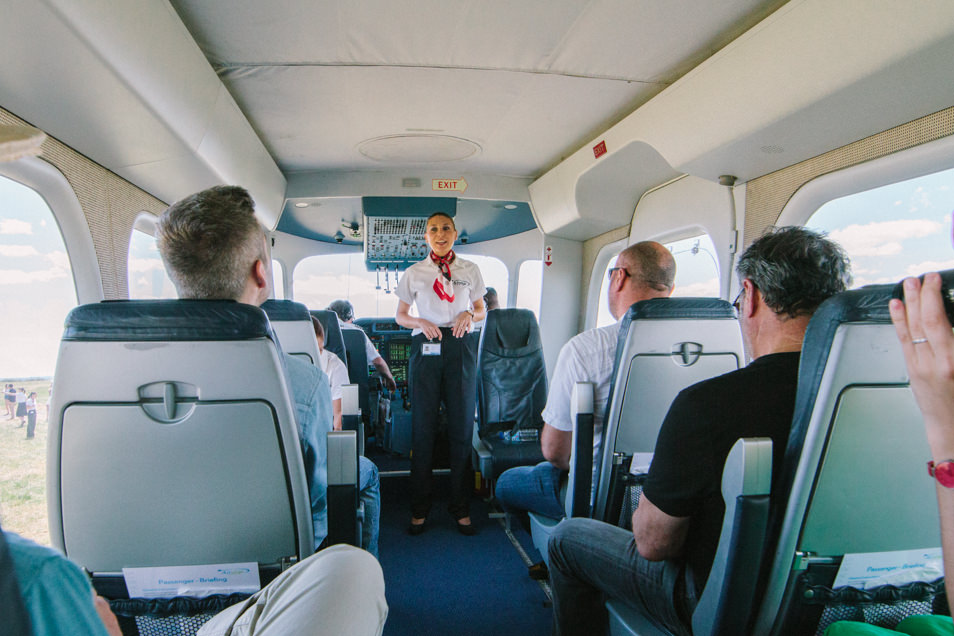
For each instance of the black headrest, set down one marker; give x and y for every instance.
(512, 332)
(285, 311)
(334, 341)
(166, 320)
(676, 308)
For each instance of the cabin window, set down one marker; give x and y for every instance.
(38, 292)
(529, 284)
(697, 273)
(146, 273)
(318, 280)
(278, 286)
(494, 273)
(893, 231)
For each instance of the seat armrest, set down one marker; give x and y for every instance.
(580, 481)
(351, 413)
(343, 525)
(726, 602)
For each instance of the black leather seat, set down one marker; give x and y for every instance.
(334, 341)
(358, 369)
(511, 391)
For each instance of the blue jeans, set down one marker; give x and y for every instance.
(369, 493)
(532, 488)
(590, 560)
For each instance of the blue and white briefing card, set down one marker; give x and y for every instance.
(192, 580)
(872, 569)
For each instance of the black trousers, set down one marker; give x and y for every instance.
(449, 378)
(31, 423)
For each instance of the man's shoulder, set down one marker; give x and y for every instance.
(29, 558)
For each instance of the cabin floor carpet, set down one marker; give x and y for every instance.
(442, 582)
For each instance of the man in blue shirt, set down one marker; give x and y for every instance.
(339, 590)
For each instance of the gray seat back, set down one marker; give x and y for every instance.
(665, 345)
(726, 602)
(354, 341)
(853, 479)
(173, 439)
(291, 322)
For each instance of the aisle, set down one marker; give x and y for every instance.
(443, 583)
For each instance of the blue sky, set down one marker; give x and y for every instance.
(894, 231)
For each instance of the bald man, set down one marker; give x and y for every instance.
(642, 271)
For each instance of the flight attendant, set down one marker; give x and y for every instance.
(448, 293)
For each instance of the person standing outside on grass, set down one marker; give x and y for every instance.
(21, 405)
(448, 293)
(10, 398)
(31, 414)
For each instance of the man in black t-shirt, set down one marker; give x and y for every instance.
(662, 566)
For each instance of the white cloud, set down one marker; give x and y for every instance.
(15, 226)
(59, 260)
(18, 251)
(707, 288)
(929, 266)
(20, 277)
(882, 238)
(141, 265)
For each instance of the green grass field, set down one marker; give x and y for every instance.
(23, 469)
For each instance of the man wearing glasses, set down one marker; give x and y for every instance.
(662, 565)
(642, 271)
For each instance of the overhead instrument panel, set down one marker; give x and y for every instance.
(394, 241)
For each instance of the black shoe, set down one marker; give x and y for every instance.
(416, 529)
(539, 571)
(468, 530)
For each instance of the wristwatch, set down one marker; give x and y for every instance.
(943, 472)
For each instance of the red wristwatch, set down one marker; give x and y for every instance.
(943, 472)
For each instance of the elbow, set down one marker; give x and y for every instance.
(651, 552)
(556, 458)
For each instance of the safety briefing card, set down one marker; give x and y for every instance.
(192, 580)
(872, 569)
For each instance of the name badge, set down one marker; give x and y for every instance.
(431, 349)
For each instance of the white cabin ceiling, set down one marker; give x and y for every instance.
(529, 82)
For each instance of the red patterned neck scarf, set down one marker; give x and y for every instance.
(443, 263)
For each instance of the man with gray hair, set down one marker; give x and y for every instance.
(662, 566)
